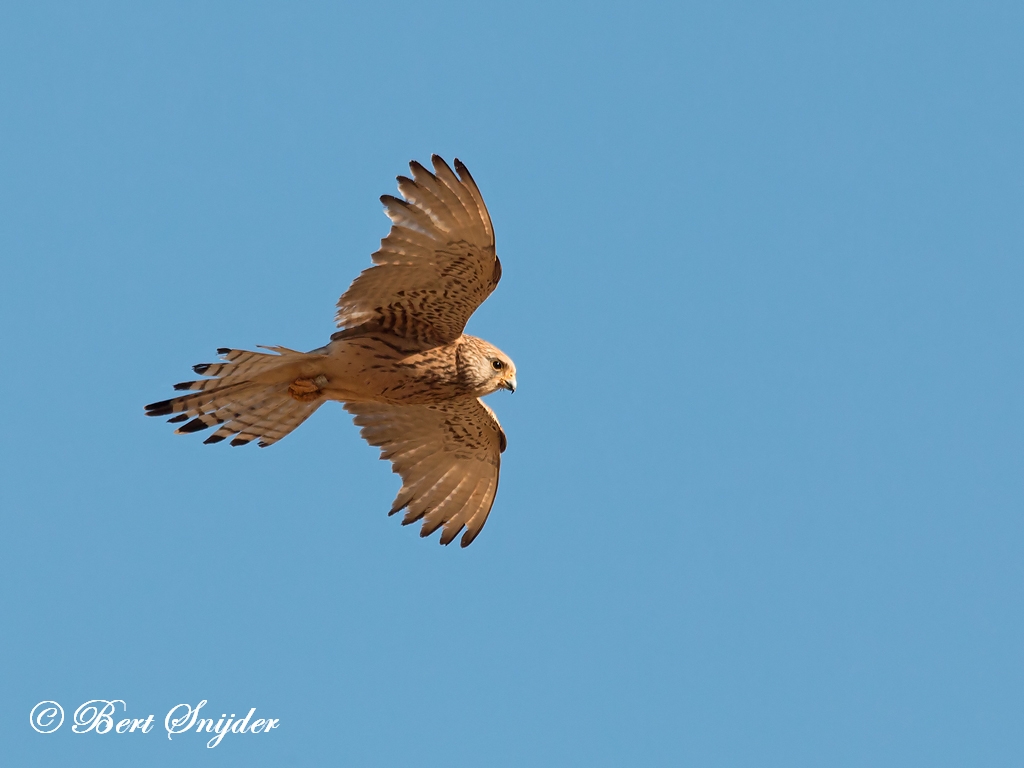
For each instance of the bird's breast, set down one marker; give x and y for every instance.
(384, 369)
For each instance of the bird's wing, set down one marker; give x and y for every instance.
(435, 267)
(448, 455)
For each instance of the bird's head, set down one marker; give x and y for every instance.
(484, 368)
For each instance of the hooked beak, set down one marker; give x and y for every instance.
(510, 384)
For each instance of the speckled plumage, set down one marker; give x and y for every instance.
(401, 363)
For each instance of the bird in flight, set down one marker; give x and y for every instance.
(400, 364)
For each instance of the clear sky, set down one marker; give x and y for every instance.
(762, 500)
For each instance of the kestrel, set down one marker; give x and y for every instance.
(400, 364)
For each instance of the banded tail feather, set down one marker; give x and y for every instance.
(247, 398)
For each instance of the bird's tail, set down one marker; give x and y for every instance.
(248, 397)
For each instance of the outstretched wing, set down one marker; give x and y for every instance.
(448, 455)
(435, 267)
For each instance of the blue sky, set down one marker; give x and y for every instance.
(762, 282)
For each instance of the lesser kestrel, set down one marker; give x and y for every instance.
(400, 364)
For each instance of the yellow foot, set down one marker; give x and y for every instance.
(307, 390)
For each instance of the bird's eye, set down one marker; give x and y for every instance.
(497, 365)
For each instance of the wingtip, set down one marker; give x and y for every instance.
(448, 536)
(439, 162)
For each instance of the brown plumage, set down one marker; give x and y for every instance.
(401, 363)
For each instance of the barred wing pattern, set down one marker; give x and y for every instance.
(435, 267)
(448, 455)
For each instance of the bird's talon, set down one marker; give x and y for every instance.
(307, 390)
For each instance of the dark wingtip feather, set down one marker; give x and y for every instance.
(439, 162)
(240, 441)
(213, 439)
(196, 425)
(223, 350)
(201, 368)
(447, 537)
(468, 537)
(429, 528)
(184, 385)
(178, 419)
